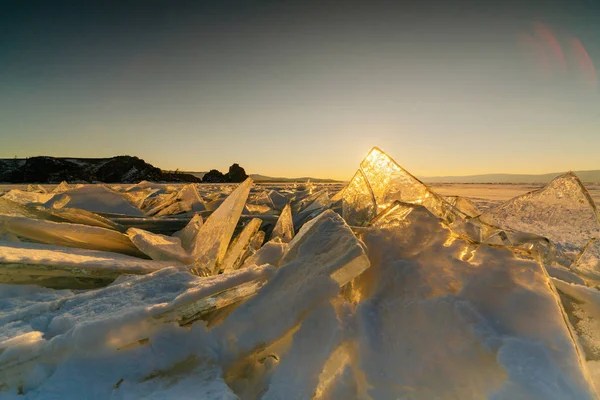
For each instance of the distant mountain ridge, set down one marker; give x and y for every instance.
(591, 176)
(265, 178)
(119, 169)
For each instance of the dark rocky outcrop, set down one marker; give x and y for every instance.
(236, 174)
(214, 176)
(120, 169)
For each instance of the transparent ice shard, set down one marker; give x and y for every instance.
(32, 263)
(211, 243)
(238, 247)
(95, 198)
(324, 256)
(380, 176)
(188, 234)
(284, 228)
(463, 204)
(358, 201)
(70, 235)
(587, 262)
(159, 247)
(562, 211)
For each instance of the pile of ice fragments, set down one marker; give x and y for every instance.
(382, 289)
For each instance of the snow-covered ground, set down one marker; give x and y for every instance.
(384, 289)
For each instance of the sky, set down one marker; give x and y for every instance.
(305, 88)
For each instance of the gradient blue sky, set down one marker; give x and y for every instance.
(305, 88)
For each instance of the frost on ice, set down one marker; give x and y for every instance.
(407, 294)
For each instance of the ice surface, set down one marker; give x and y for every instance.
(238, 247)
(297, 375)
(284, 228)
(441, 318)
(32, 262)
(188, 234)
(213, 238)
(95, 198)
(270, 253)
(70, 235)
(13, 209)
(562, 211)
(159, 247)
(105, 320)
(324, 256)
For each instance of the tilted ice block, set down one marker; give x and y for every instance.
(212, 240)
(562, 211)
(22, 197)
(83, 217)
(440, 317)
(95, 198)
(36, 188)
(30, 262)
(138, 196)
(239, 245)
(279, 200)
(70, 235)
(155, 204)
(14, 209)
(159, 247)
(270, 253)
(63, 187)
(358, 202)
(582, 305)
(185, 200)
(284, 228)
(324, 256)
(119, 315)
(188, 234)
(587, 262)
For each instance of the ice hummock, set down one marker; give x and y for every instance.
(562, 211)
(440, 317)
(324, 256)
(239, 246)
(188, 234)
(587, 262)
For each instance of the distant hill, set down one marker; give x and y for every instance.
(264, 178)
(120, 169)
(585, 176)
